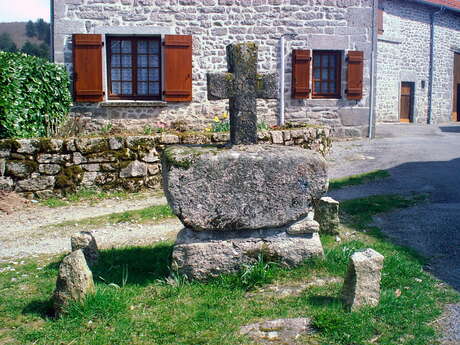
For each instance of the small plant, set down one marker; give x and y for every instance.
(257, 274)
(106, 129)
(220, 124)
(262, 126)
(147, 130)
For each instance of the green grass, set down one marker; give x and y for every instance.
(145, 215)
(136, 302)
(358, 179)
(87, 195)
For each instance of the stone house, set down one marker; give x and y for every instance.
(148, 59)
(418, 61)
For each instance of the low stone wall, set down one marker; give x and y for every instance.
(46, 167)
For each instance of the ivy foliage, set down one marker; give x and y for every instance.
(34, 96)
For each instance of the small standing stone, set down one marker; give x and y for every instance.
(327, 215)
(87, 243)
(74, 282)
(362, 281)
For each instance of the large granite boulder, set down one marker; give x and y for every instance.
(243, 187)
(205, 254)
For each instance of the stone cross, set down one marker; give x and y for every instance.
(242, 85)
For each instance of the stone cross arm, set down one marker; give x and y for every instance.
(221, 86)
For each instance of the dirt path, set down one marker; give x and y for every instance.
(29, 232)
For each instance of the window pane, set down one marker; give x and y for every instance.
(142, 89)
(154, 75)
(142, 60)
(317, 73)
(332, 60)
(116, 74)
(154, 47)
(332, 74)
(126, 74)
(317, 86)
(142, 47)
(116, 88)
(126, 60)
(317, 60)
(116, 60)
(142, 74)
(154, 89)
(154, 61)
(126, 47)
(115, 46)
(325, 59)
(127, 88)
(332, 87)
(324, 74)
(324, 87)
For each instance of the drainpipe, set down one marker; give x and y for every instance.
(373, 68)
(52, 30)
(281, 118)
(431, 68)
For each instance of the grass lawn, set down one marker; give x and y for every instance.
(147, 307)
(353, 180)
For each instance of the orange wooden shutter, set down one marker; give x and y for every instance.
(178, 68)
(380, 21)
(301, 60)
(87, 65)
(355, 75)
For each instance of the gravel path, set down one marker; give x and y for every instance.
(30, 232)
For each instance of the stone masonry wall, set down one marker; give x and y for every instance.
(404, 55)
(47, 167)
(319, 24)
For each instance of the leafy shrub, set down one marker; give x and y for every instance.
(34, 96)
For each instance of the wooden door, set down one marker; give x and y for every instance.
(407, 96)
(458, 102)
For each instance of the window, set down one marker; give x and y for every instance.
(326, 74)
(134, 68)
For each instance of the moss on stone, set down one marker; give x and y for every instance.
(69, 178)
(184, 156)
(6, 144)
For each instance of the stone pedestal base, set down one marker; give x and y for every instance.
(206, 254)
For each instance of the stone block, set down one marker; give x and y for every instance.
(87, 243)
(277, 137)
(27, 145)
(246, 187)
(21, 168)
(327, 215)
(49, 169)
(140, 143)
(169, 139)
(53, 158)
(303, 226)
(150, 156)
(336, 42)
(354, 116)
(134, 169)
(74, 281)
(92, 145)
(116, 143)
(35, 183)
(203, 255)
(362, 281)
(6, 184)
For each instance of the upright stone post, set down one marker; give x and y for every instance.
(362, 281)
(242, 63)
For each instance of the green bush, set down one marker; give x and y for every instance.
(34, 96)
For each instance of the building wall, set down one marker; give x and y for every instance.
(403, 54)
(319, 24)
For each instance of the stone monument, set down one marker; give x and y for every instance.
(243, 200)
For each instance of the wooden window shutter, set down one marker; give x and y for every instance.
(380, 30)
(87, 65)
(355, 75)
(301, 61)
(178, 68)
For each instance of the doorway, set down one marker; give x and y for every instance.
(406, 112)
(456, 89)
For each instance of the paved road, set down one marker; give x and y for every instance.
(421, 159)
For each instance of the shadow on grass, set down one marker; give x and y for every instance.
(134, 265)
(41, 308)
(321, 301)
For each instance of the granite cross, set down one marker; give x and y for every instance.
(242, 85)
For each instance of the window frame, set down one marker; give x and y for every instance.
(134, 43)
(338, 75)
